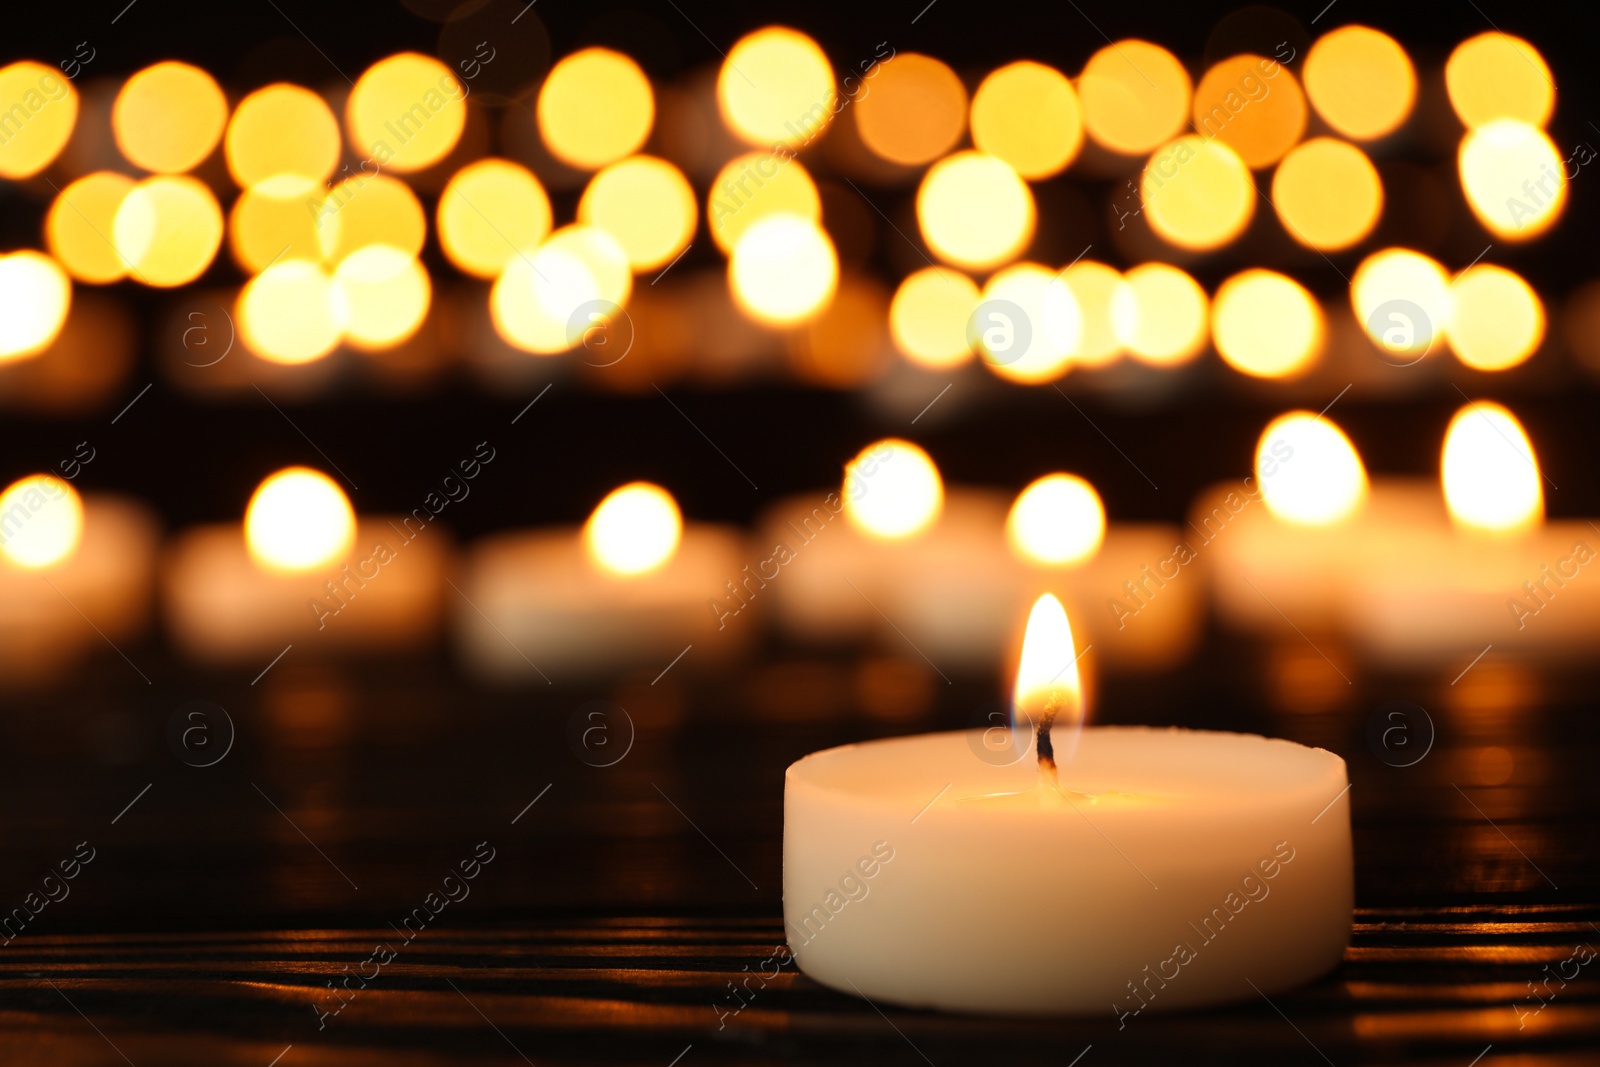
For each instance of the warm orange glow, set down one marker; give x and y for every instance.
(1253, 105)
(1327, 194)
(298, 520)
(169, 117)
(169, 229)
(43, 521)
(1497, 76)
(542, 303)
(367, 210)
(35, 295)
(290, 313)
(928, 317)
(1197, 193)
(1058, 520)
(406, 112)
(1160, 314)
(38, 110)
(974, 211)
(1309, 472)
(783, 270)
(278, 219)
(753, 186)
(595, 107)
(1266, 325)
(1514, 178)
(1490, 474)
(79, 224)
(892, 490)
(634, 530)
(1095, 289)
(1135, 96)
(1402, 299)
(1360, 81)
(646, 204)
(1027, 324)
(1028, 115)
(384, 293)
(1497, 321)
(1048, 686)
(490, 211)
(915, 110)
(281, 129)
(776, 88)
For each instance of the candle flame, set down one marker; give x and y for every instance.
(1048, 690)
(298, 520)
(1490, 475)
(1310, 474)
(634, 530)
(892, 490)
(1057, 520)
(50, 515)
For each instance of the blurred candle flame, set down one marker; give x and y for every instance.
(1490, 475)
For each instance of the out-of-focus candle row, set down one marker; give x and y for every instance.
(1305, 544)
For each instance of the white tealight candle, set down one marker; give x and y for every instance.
(1166, 868)
(632, 588)
(304, 571)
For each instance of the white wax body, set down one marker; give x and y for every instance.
(1269, 574)
(222, 606)
(905, 879)
(108, 578)
(548, 602)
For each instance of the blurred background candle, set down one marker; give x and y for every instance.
(69, 566)
(632, 588)
(304, 570)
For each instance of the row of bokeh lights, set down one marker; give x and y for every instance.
(333, 254)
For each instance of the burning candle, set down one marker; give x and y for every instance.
(631, 588)
(1045, 868)
(303, 570)
(69, 566)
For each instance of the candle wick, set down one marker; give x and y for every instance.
(1047, 751)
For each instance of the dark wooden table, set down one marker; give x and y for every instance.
(222, 903)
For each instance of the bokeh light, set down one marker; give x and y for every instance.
(51, 517)
(1027, 324)
(1323, 483)
(1490, 474)
(1497, 76)
(279, 218)
(892, 490)
(40, 109)
(634, 530)
(753, 186)
(595, 108)
(1095, 288)
(1161, 314)
(541, 302)
(298, 519)
(78, 227)
(914, 111)
(1266, 325)
(1135, 96)
(290, 313)
(1402, 300)
(776, 88)
(1327, 194)
(974, 211)
(169, 117)
(1057, 520)
(1360, 81)
(1497, 321)
(1513, 177)
(928, 317)
(384, 293)
(35, 295)
(1028, 115)
(1197, 193)
(406, 112)
(281, 129)
(1253, 105)
(491, 210)
(783, 270)
(168, 228)
(371, 209)
(646, 204)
